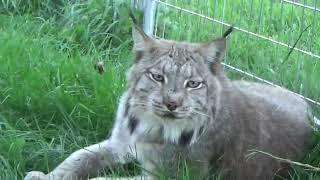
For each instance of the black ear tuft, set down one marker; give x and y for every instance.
(227, 32)
(142, 43)
(133, 18)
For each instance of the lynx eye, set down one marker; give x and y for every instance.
(157, 77)
(194, 84)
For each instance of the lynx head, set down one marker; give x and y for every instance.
(175, 85)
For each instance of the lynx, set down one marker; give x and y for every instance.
(180, 106)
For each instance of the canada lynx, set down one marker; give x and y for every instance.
(179, 105)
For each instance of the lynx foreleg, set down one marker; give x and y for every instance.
(86, 162)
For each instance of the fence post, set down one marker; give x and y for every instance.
(148, 8)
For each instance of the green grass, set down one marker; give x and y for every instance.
(52, 102)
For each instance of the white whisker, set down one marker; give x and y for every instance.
(200, 113)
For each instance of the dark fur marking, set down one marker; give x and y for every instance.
(200, 130)
(152, 50)
(127, 107)
(133, 122)
(193, 59)
(218, 54)
(139, 55)
(161, 131)
(213, 110)
(143, 90)
(185, 137)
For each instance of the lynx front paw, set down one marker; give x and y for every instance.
(36, 175)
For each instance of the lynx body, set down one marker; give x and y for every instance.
(179, 106)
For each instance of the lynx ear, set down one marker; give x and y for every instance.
(141, 41)
(213, 51)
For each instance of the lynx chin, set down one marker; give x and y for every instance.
(179, 108)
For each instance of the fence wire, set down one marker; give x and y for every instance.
(266, 32)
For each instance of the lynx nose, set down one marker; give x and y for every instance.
(171, 105)
(173, 100)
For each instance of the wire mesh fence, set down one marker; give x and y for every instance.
(260, 48)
